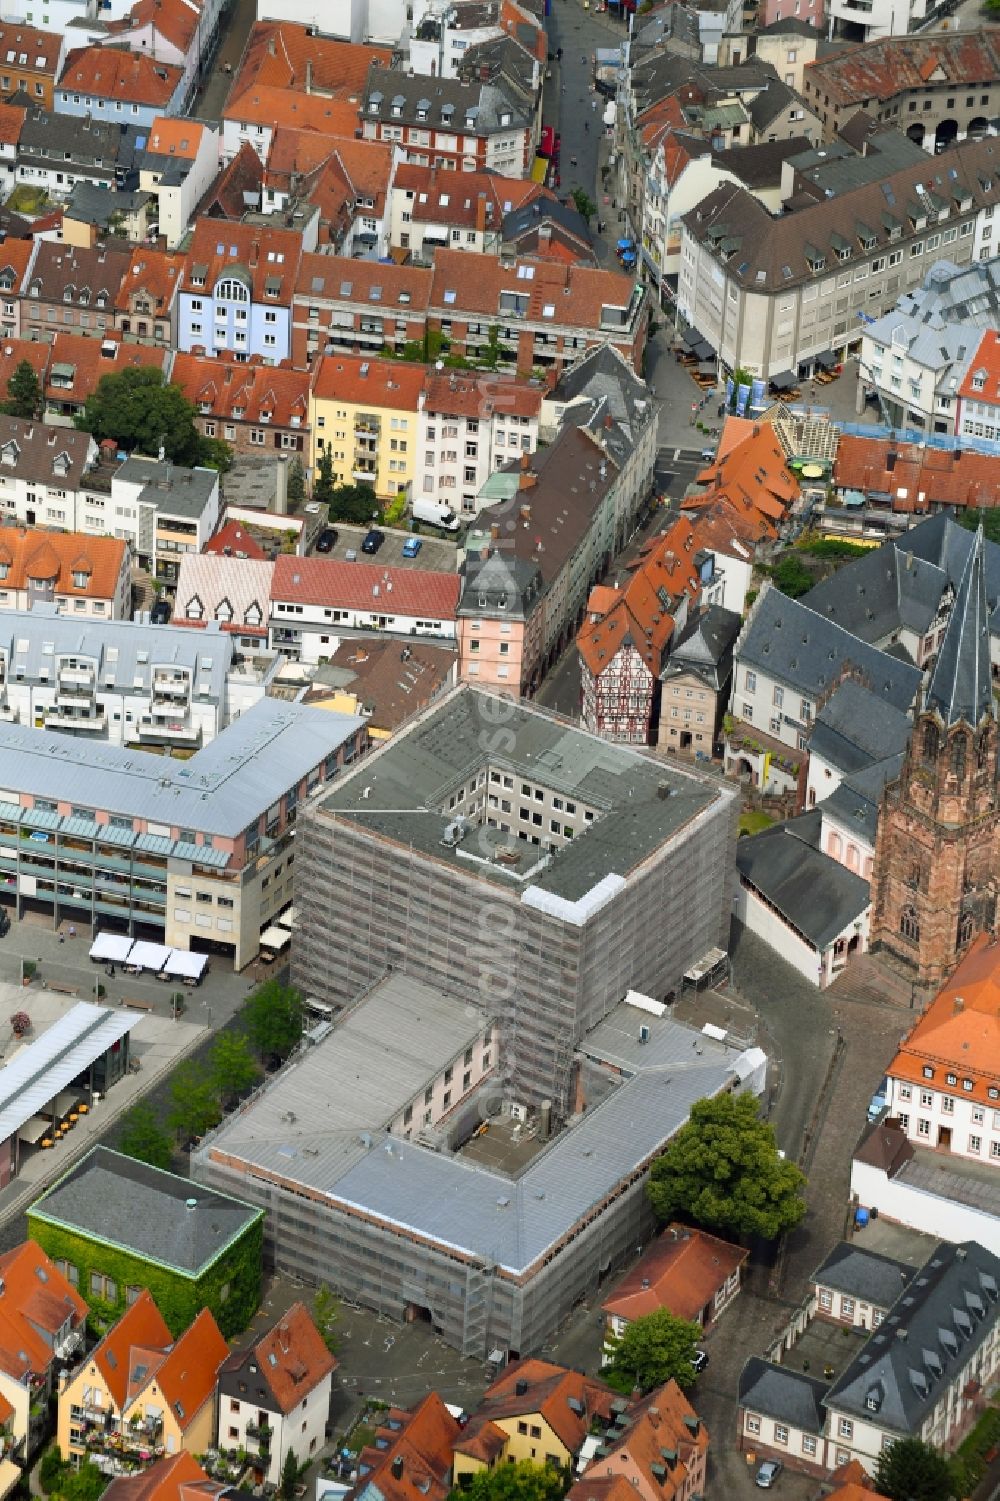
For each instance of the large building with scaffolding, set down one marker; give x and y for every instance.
(523, 865)
(390, 1171)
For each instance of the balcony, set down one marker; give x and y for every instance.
(175, 731)
(95, 724)
(170, 687)
(73, 694)
(366, 429)
(77, 677)
(365, 476)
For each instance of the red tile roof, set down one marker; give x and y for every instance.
(92, 358)
(641, 614)
(340, 279)
(14, 258)
(919, 478)
(169, 137)
(226, 199)
(13, 351)
(473, 284)
(112, 73)
(155, 272)
(884, 68)
(682, 1270)
(293, 1358)
(246, 393)
(61, 556)
(461, 394)
(35, 1301)
(472, 199)
(34, 49)
(232, 541)
(178, 1477)
(266, 256)
(188, 1376)
(983, 366)
(568, 1401)
(751, 480)
(267, 105)
(175, 21)
(960, 1030)
(380, 383)
(422, 1443)
(285, 55)
(664, 1423)
(348, 586)
(11, 121)
(140, 1327)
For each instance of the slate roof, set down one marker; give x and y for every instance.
(854, 729)
(876, 595)
(759, 166)
(804, 650)
(776, 1391)
(961, 687)
(926, 1340)
(498, 582)
(863, 1274)
(447, 102)
(855, 804)
(126, 1203)
(815, 894)
(705, 646)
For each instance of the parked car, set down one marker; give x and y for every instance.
(160, 613)
(768, 1473)
(373, 540)
(412, 546)
(699, 1361)
(327, 540)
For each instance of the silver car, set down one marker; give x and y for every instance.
(768, 1473)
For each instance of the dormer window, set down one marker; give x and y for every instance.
(928, 1071)
(80, 580)
(4, 570)
(979, 380)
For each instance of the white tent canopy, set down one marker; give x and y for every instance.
(111, 947)
(275, 938)
(148, 955)
(186, 966)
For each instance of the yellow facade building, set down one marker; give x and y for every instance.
(364, 413)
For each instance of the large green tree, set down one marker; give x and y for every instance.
(87, 1483)
(141, 411)
(24, 392)
(524, 1481)
(273, 1019)
(231, 1065)
(972, 517)
(723, 1170)
(289, 1476)
(651, 1350)
(143, 1137)
(910, 1470)
(194, 1100)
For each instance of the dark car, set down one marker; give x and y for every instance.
(327, 540)
(373, 541)
(699, 1361)
(160, 613)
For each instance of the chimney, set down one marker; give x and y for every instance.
(254, 253)
(526, 480)
(609, 421)
(397, 1467)
(494, 531)
(520, 1389)
(654, 1416)
(309, 76)
(957, 1006)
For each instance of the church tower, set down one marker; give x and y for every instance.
(936, 869)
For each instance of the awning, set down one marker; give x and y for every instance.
(111, 947)
(65, 1101)
(287, 919)
(151, 956)
(275, 938)
(783, 382)
(703, 350)
(625, 245)
(853, 497)
(706, 367)
(539, 171)
(826, 360)
(186, 966)
(34, 1129)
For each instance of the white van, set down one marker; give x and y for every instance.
(435, 513)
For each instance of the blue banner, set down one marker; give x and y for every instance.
(742, 396)
(757, 393)
(729, 393)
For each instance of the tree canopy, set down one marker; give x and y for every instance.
(651, 1350)
(326, 1312)
(273, 1019)
(723, 1171)
(972, 516)
(24, 392)
(143, 1137)
(524, 1481)
(194, 1106)
(231, 1065)
(141, 411)
(910, 1470)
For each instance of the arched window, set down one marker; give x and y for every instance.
(909, 924)
(930, 742)
(966, 927)
(958, 756)
(232, 290)
(833, 845)
(853, 857)
(915, 873)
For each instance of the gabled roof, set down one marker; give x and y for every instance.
(895, 64)
(232, 541)
(174, 20)
(961, 689)
(959, 1033)
(35, 1300)
(338, 278)
(373, 382)
(175, 137)
(189, 1372)
(270, 106)
(76, 363)
(439, 197)
(245, 393)
(568, 1401)
(178, 1477)
(814, 894)
(642, 614)
(11, 124)
(291, 1358)
(854, 729)
(325, 581)
(560, 294)
(155, 272)
(927, 1339)
(863, 1274)
(663, 1435)
(114, 73)
(29, 47)
(70, 273)
(63, 557)
(705, 646)
(777, 1391)
(230, 589)
(752, 477)
(237, 187)
(419, 1445)
(479, 394)
(265, 259)
(682, 1271)
(287, 55)
(141, 1327)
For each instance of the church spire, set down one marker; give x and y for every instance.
(961, 688)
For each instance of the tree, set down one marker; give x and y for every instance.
(723, 1170)
(973, 517)
(792, 577)
(231, 1065)
(87, 1483)
(353, 503)
(289, 1475)
(50, 1469)
(296, 480)
(652, 1349)
(524, 1481)
(24, 392)
(143, 1137)
(324, 484)
(326, 1312)
(194, 1099)
(139, 410)
(910, 1470)
(273, 1019)
(585, 205)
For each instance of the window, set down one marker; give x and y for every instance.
(927, 1099)
(131, 1294)
(923, 1128)
(905, 1092)
(753, 1423)
(975, 1145)
(808, 1444)
(847, 1310)
(103, 1287)
(845, 1428)
(751, 682)
(909, 927)
(780, 1433)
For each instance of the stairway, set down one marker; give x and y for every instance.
(870, 978)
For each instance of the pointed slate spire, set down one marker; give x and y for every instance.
(961, 687)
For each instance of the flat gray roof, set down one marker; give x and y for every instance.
(402, 793)
(49, 1064)
(162, 1218)
(220, 790)
(453, 1201)
(169, 487)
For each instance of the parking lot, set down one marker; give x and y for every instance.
(439, 554)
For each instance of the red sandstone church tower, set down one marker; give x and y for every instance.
(937, 853)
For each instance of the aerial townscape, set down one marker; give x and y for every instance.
(499, 750)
